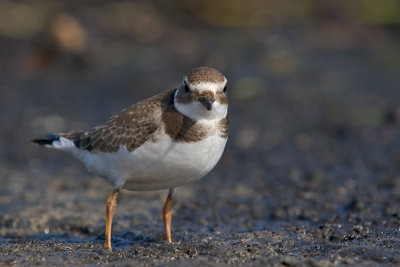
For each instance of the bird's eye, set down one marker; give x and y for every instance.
(186, 87)
(225, 88)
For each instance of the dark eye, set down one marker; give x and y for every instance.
(186, 87)
(225, 88)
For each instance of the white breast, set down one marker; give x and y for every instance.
(156, 165)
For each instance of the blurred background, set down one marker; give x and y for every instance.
(314, 89)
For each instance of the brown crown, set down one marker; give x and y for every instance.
(204, 74)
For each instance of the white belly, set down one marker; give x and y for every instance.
(156, 165)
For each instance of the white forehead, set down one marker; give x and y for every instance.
(207, 86)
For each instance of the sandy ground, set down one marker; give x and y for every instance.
(310, 175)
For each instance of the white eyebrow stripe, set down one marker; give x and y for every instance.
(210, 86)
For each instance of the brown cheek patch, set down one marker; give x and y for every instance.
(185, 98)
(221, 98)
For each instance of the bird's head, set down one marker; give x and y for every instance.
(202, 95)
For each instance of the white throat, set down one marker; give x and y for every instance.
(196, 111)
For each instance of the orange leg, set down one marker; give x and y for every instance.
(111, 205)
(167, 215)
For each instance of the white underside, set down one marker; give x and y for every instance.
(159, 163)
(154, 165)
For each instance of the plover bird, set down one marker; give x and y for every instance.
(163, 142)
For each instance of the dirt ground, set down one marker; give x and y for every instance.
(310, 175)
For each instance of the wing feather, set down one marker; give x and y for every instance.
(130, 128)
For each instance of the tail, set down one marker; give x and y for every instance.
(47, 141)
(60, 141)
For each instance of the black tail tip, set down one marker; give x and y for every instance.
(42, 142)
(48, 140)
